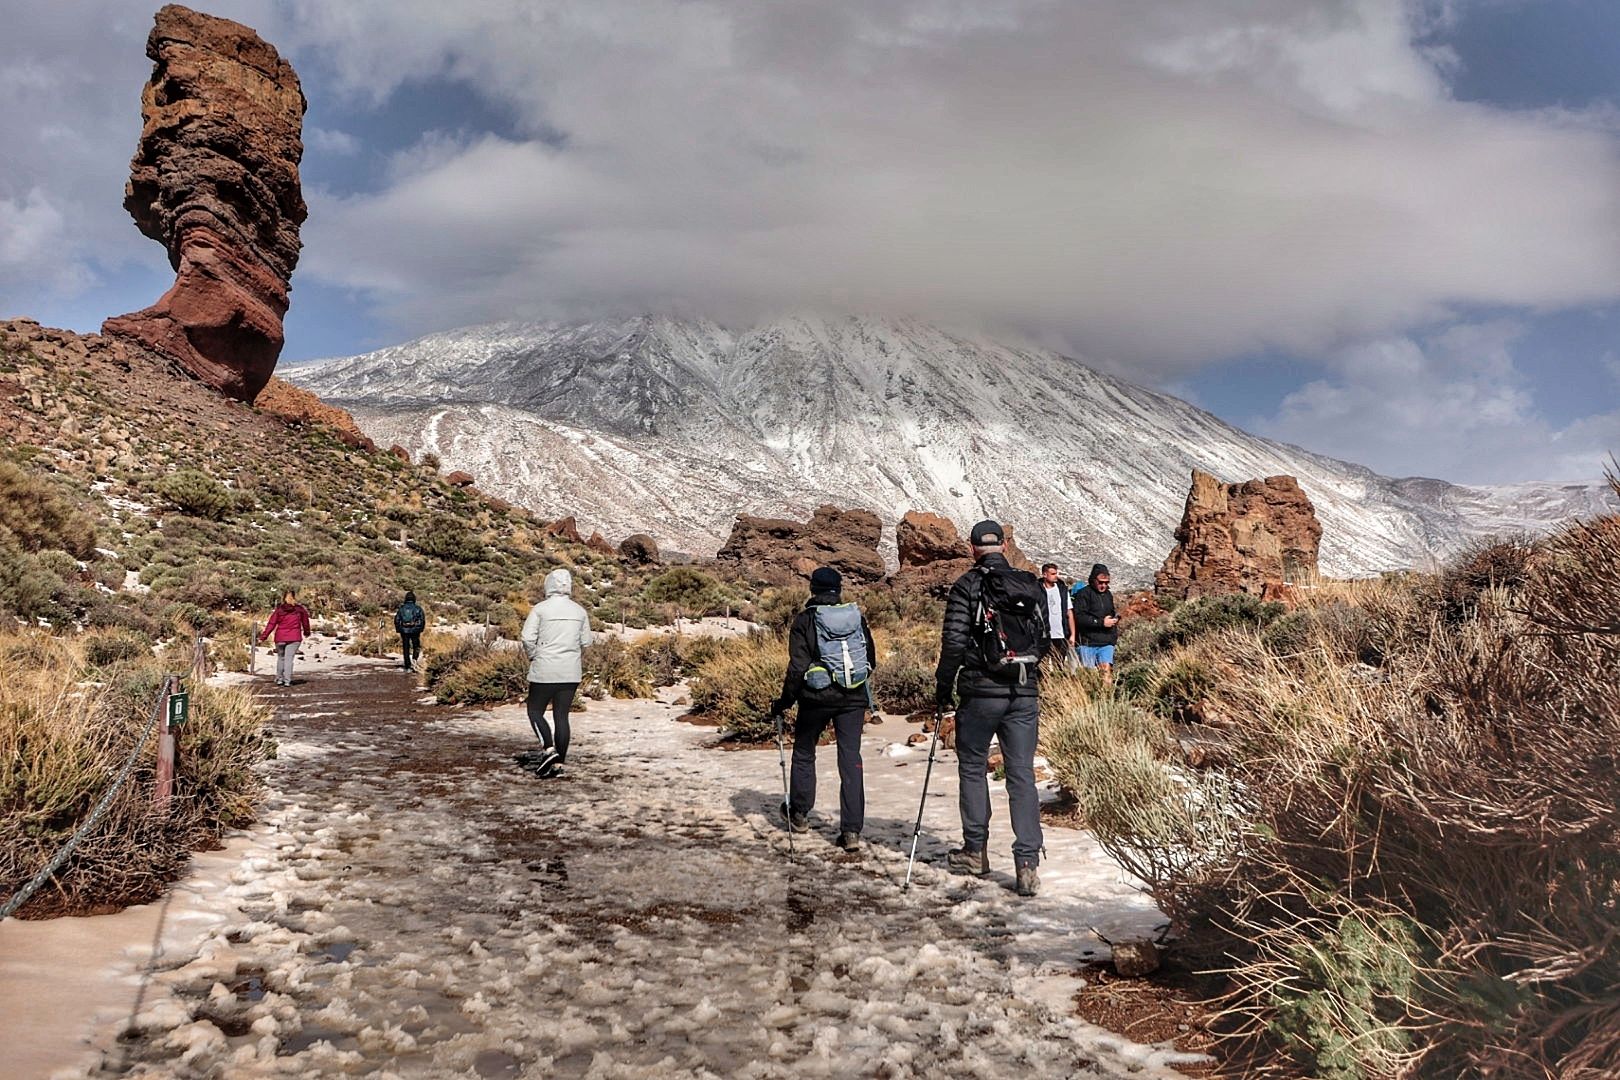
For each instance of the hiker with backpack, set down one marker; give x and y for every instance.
(288, 624)
(409, 621)
(830, 663)
(996, 626)
(554, 637)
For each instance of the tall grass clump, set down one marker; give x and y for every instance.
(476, 670)
(66, 728)
(1418, 872)
(737, 685)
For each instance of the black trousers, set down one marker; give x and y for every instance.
(847, 725)
(560, 696)
(411, 645)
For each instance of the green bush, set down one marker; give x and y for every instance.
(1209, 614)
(108, 647)
(499, 675)
(736, 687)
(690, 592)
(1180, 688)
(613, 668)
(40, 516)
(194, 492)
(904, 680)
(447, 537)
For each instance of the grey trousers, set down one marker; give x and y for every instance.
(1014, 722)
(285, 652)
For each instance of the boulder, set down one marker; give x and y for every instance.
(639, 549)
(401, 453)
(779, 551)
(1134, 959)
(215, 180)
(599, 544)
(295, 406)
(462, 480)
(1242, 537)
(933, 554)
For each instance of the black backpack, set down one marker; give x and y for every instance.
(1009, 623)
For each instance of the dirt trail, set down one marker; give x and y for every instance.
(422, 907)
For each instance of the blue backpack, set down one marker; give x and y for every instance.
(840, 649)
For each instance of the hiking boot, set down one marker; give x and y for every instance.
(1029, 883)
(968, 861)
(850, 842)
(796, 821)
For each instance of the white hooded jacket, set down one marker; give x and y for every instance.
(555, 632)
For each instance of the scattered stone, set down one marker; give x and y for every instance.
(215, 180)
(1241, 538)
(1134, 959)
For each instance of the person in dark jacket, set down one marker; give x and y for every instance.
(409, 622)
(1095, 622)
(993, 705)
(1060, 620)
(842, 707)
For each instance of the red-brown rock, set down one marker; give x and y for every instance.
(599, 543)
(565, 529)
(401, 453)
(461, 479)
(298, 407)
(215, 180)
(1241, 538)
(639, 549)
(933, 554)
(1142, 605)
(779, 551)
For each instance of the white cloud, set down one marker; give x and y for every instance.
(1455, 400)
(331, 142)
(1150, 181)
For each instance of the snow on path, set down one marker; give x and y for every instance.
(418, 906)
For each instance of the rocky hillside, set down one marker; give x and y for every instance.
(673, 427)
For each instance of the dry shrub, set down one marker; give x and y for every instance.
(737, 685)
(40, 515)
(497, 675)
(63, 740)
(903, 681)
(1428, 871)
(376, 639)
(615, 668)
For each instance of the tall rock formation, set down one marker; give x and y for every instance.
(215, 180)
(1241, 537)
(933, 554)
(780, 552)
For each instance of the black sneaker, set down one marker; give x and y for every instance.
(796, 821)
(1029, 883)
(850, 842)
(968, 861)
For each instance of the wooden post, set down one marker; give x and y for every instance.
(165, 762)
(199, 660)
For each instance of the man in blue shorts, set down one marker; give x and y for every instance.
(1095, 624)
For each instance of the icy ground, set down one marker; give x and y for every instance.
(416, 905)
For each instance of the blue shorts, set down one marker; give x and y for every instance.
(1092, 655)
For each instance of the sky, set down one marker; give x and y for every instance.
(1386, 230)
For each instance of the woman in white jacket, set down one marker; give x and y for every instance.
(554, 634)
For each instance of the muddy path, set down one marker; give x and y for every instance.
(421, 906)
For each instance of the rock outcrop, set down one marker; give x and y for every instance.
(599, 544)
(565, 529)
(639, 549)
(460, 479)
(1247, 537)
(781, 552)
(933, 554)
(296, 406)
(215, 180)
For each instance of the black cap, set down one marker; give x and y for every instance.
(987, 533)
(826, 579)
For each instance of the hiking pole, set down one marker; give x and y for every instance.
(916, 830)
(781, 755)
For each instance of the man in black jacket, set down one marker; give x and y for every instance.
(1096, 622)
(994, 704)
(409, 621)
(823, 700)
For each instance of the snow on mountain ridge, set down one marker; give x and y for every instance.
(673, 426)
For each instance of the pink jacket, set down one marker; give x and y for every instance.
(289, 622)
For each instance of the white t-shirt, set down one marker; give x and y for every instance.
(1054, 610)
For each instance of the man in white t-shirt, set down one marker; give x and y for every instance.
(1059, 616)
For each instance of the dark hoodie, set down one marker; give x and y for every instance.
(1090, 608)
(961, 668)
(802, 656)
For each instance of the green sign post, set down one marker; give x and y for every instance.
(179, 708)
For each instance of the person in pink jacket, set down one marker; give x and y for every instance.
(288, 624)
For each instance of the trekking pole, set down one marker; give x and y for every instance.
(916, 830)
(781, 755)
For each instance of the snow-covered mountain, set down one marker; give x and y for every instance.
(672, 427)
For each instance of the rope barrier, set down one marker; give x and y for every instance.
(23, 895)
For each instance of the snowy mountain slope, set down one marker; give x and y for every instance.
(672, 427)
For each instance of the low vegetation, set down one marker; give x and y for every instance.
(71, 713)
(1391, 816)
